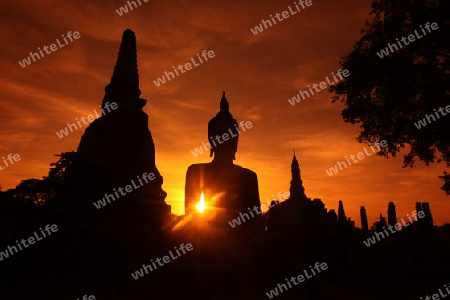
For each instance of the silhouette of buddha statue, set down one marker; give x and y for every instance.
(230, 191)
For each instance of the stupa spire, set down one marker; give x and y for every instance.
(295, 169)
(295, 161)
(224, 106)
(297, 190)
(124, 85)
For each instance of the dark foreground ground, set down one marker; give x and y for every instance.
(224, 264)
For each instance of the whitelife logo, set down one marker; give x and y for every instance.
(225, 137)
(237, 221)
(322, 267)
(124, 9)
(285, 14)
(165, 260)
(27, 61)
(188, 66)
(360, 155)
(411, 38)
(128, 189)
(371, 241)
(16, 158)
(85, 297)
(31, 240)
(439, 296)
(424, 123)
(64, 132)
(323, 85)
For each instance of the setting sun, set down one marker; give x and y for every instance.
(201, 205)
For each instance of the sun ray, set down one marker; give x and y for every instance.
(201, 205)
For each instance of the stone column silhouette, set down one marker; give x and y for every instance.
(392, 215)
(341, 213)
(364, 223)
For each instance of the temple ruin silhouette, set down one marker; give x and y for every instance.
(114, 153)
(117, 148)
(96, 249)
(305, 216)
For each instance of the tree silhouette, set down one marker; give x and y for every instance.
(39, 192)
(32, 192)
(57, 170)
(388, 95)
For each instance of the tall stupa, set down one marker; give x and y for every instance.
(117, 149)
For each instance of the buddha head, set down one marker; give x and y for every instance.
(223, 134)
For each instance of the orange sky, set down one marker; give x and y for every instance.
(259, 73)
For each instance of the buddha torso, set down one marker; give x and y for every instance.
(229, 189)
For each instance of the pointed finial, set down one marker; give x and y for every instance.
(224, 106)
(294, 158)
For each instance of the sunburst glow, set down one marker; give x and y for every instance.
(201, 205)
